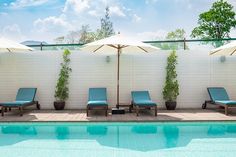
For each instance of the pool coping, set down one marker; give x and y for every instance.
(160, 121)
(75, 116)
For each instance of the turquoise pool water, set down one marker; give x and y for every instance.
(118, 139)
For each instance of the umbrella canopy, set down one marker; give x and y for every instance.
(228, 49)
(118, 44)
(113, 43)
(11, 46)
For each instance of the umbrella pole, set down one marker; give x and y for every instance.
(118, 78)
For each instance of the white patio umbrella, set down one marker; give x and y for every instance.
(118, 44)
(11, 46)
(228, 49)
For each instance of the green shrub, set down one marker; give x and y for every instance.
(62, 90)
(171, 88)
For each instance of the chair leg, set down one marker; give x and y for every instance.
(2, 110)
(137, 111)
(106, 111)
(21, 110)
(204, 105)
(155, 110)
(131, 107)
(226, 110)
(38, 105)
(87, 110)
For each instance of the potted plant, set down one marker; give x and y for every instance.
(62, 90)
(171, 88)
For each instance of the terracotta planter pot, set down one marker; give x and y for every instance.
(59, 105)
(171, 105)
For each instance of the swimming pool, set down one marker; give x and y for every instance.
(213, 139)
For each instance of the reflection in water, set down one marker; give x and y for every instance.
(13, 134)
(171, 133)
(220, 130)
(21, 130)
(140, 138)
(97, 130)
(147, 129)
(231, 129)
(62, 132)
(216, 130)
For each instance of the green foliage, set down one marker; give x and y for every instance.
(62, 90)
(216, 23)
(106, 29)
(178, 34)
(171, 88)
(86, 35)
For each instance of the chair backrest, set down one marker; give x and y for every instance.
(26, 94)
(140, 95)
(97, 94)
(217, 93)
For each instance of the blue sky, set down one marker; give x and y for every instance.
(44, 20)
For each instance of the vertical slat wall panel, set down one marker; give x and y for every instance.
(139, 71)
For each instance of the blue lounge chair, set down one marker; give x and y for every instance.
(97, 99)
(141, 99)
(219, 96)
(24, 97)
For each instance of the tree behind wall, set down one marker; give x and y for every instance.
(86, 35)
(216, 23)
(178, 34)
(106, 29)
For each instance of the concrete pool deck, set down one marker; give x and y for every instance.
(80, 116)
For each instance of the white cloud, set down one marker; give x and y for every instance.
(117, 11)
(52, 24)
(12, 32)
(233, 2)
(27, 3)
(51, 27)
(93, 8)
(233, 33)
(77, 6)
(136, 18)
(94, 13)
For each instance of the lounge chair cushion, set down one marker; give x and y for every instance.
(26, 94)
(15, 103)
(144, 103)
(97, 103)
(97, 94)
(220, 96)
(142, 98)
(226, 102)
(97, 97)
(218, 93)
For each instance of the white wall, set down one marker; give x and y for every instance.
(139, 71)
